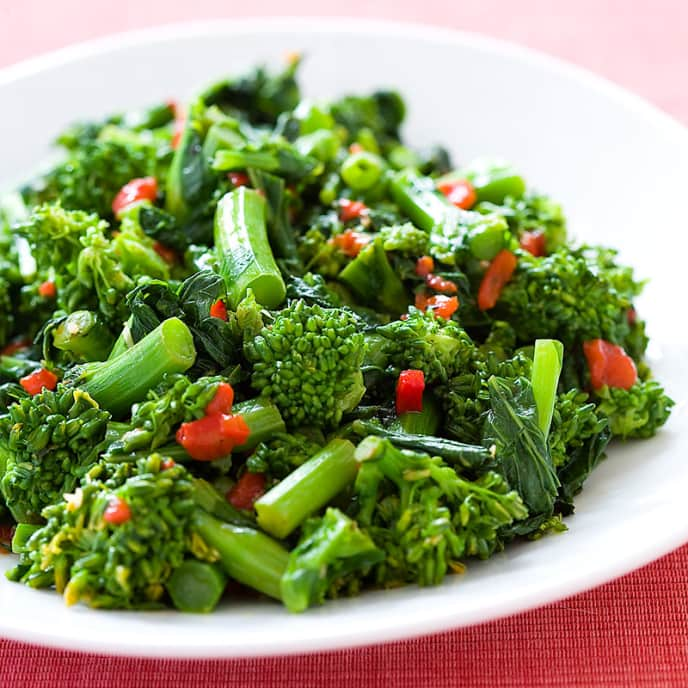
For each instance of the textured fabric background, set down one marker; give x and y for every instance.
(632, 632)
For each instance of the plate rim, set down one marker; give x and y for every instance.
(441, 620)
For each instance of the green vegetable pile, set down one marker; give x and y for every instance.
(259, 339)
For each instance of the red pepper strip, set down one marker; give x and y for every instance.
(534, 243)
(351, 210)
(410, 386)
(222, 401)
(495, 278)
(609, 365)
(238, 178)
(40, 379)
(219, 310)
(168, 254)
(246, 490)
(443, 306)
(440, 284)
(142, 189)
(424, 266)
(116, 512)
(350, 242)
(13, 347)
(460, 192)
(355, 148)
(212, 437)
(48, 290)
(167, 464)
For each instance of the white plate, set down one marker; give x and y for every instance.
(619, 166)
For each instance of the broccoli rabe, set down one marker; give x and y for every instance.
(116, 541)
(95, 273)
(636, 412)
(331, 549)
(440, 348)
(47, 443)
(308, 361)
(570, 295)
(424, 515)
(281, 455)
(96, 170)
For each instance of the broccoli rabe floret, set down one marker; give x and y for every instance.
(153, 421)
(331, 549)
(116, 540)
(114, 544)
(570, 295)
(533, 212)
(47, 443)
(440, 348)
(90, 271)
(96, 169)
(308, 361)
(425, 515)
(574, 422)
(465, 397)
(278, 457)
(636, 412)
(405, 238)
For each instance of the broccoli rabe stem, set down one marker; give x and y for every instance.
(309, 488)
(246, 555)
(374, 281)
(492, 180)
(196, 586)
(547, 361)
(122, 381)
(417, 198)
(471, 456)
(243, 251)
(263, 419)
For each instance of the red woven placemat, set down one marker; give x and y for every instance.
(631, 632)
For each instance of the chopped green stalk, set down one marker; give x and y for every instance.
(488, 240)
(374, 281)
(547, 361)
(492, 180)
(470, 456)
(241, 243)
(124, 380)
(309, 488)
(417, 198)
(247, 555)
(263, 419)
(196, 586)
(84, 336)
(22, 534)
(362, 170)
(425, 422)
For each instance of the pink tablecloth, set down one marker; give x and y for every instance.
(632, 632)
